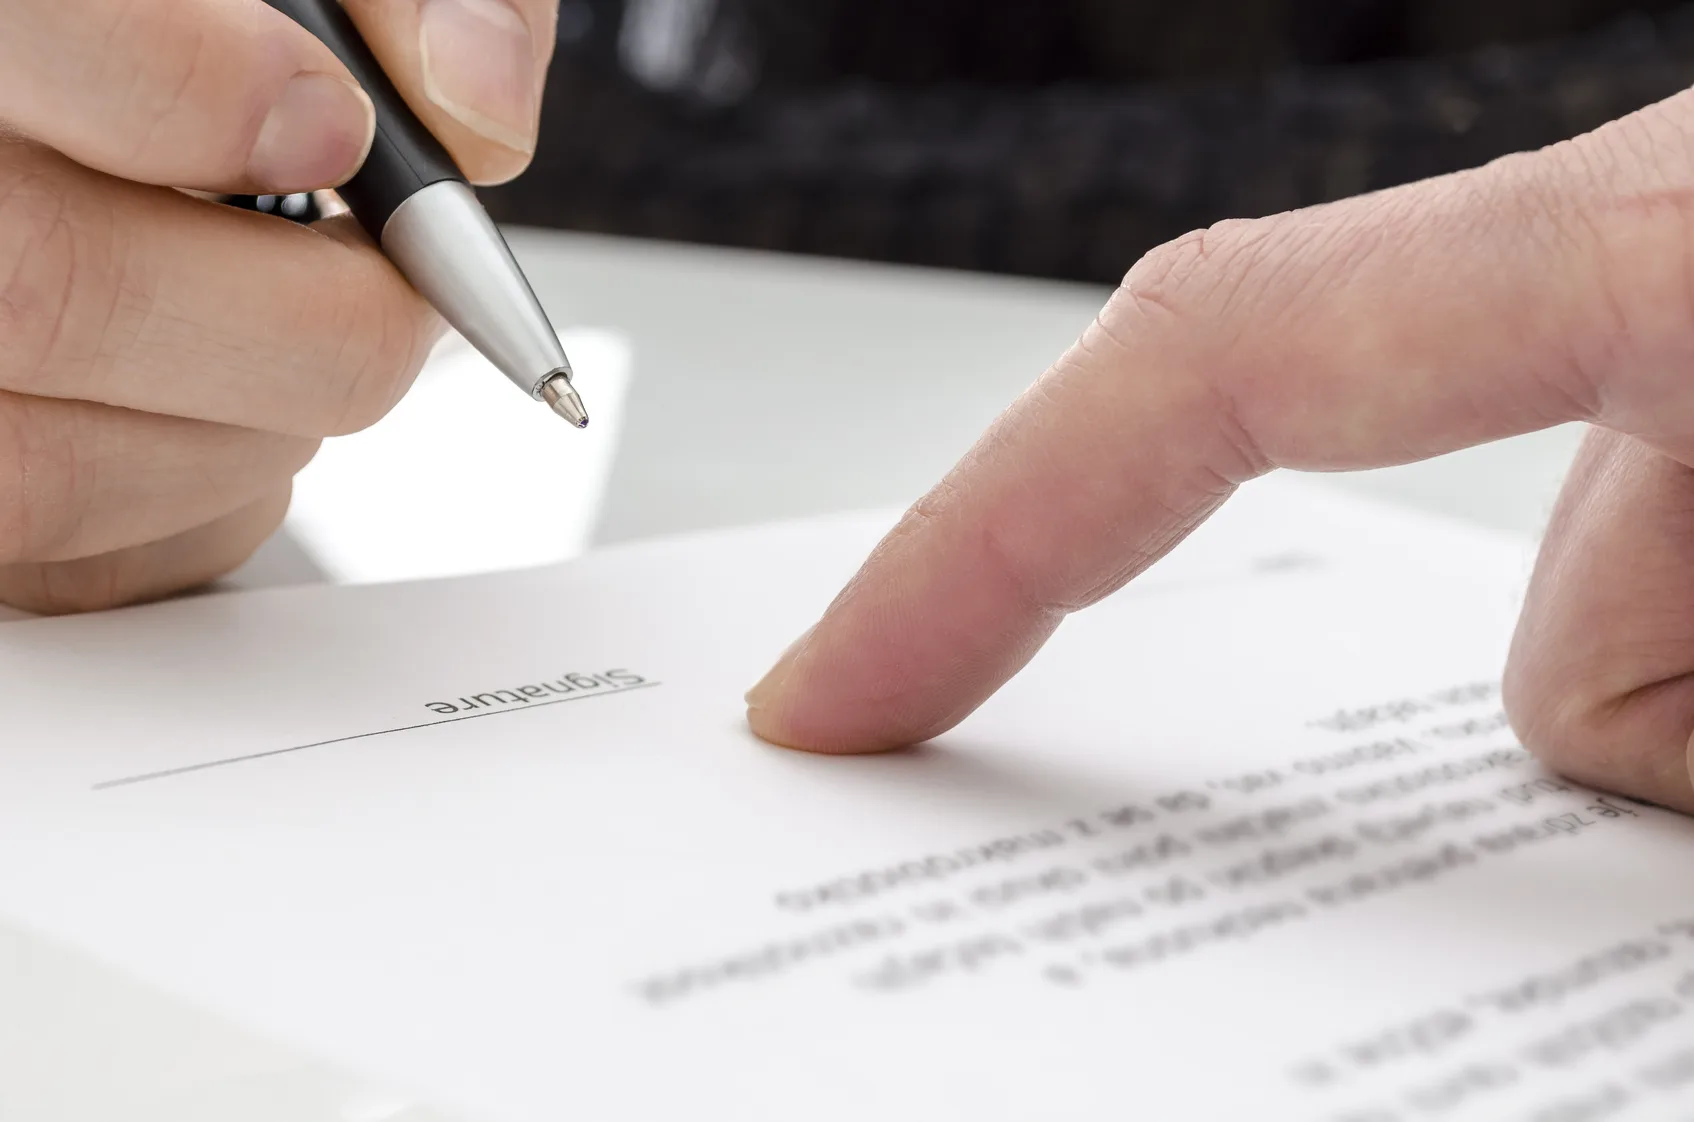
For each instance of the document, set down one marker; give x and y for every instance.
(1250, 840)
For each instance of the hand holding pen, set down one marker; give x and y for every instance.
(167, 363)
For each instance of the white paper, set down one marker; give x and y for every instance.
(465, 476)
(1249, 840)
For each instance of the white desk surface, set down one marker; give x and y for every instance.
(768, 386)
(762, 387)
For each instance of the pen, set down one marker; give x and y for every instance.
(415, 202)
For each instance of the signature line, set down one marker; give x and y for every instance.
(148, 777)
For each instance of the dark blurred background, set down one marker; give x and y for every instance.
(1057, 138)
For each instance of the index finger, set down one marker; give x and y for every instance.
(1541, 289)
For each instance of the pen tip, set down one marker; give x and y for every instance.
(564, 400)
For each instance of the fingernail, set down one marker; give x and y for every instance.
(479, 66)
(766, 689)
(316, 135)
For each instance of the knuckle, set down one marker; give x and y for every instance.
(1217, 293)
(1181, 295)
(1182, 278)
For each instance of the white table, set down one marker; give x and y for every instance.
(769, 386)
(762, 387)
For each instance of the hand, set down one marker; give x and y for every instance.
(1548, 287)
(166, 363)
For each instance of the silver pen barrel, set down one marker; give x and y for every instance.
(446, 246)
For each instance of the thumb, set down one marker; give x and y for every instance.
(472, 70)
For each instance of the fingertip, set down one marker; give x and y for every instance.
(769, 701)
(783, 725)
(783, 711)
(316, 134)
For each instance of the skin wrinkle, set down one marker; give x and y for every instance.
(155, 316)
(1306, 259)
(1239, 436)
(375, 366)
(351, 409)
(1141, 557)
(1577, 386)
(45, 215)
(1197, 266)
(378, 374)
(395, 361)
(1151, 281)
(1028, 588)
(113, 48)
(1216, 483)
(1358, 243)
(101, 238)
(1465, 193)
(378, 331)
(1616, 335)
(131, 306)
(136, 311)
(1627, 408)
(1032, 403)
(1101, 334)
(1644, 137)
(147, 136)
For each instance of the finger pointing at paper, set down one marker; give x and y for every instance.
(1548, 287)
(167, 364)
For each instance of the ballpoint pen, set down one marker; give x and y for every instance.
(414, 201)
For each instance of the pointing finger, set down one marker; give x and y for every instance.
(1543, 288)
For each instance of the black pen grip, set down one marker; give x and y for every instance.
(405, 156)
